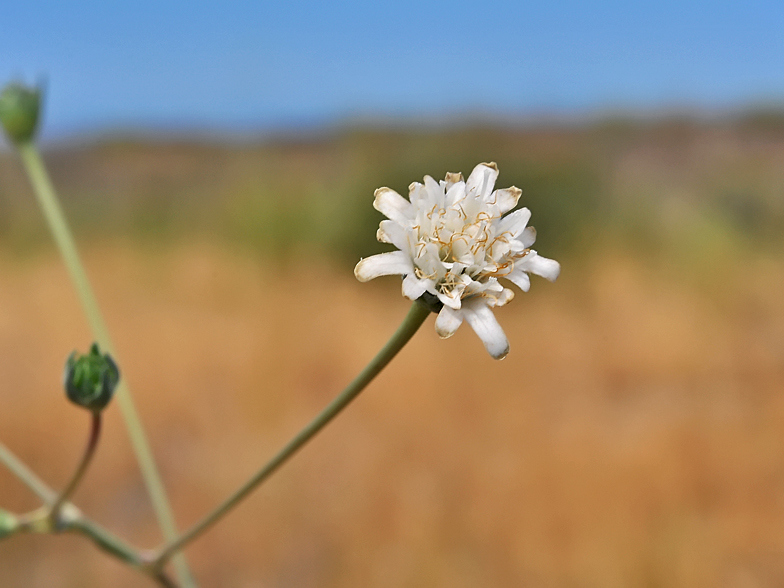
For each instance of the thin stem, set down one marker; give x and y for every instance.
(416, 316)
(89, 451)
(26, 475)
(106, 541)
(50, 205)
(73, 521)
(71, 518)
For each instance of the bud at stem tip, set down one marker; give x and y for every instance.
(90, 380)
(20, 107)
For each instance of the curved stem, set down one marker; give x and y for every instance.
(89, 451)
(50, 205)
(416, 316)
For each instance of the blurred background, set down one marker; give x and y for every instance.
(217, 163)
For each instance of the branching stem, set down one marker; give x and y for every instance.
(55, 218)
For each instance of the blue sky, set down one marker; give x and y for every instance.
(255, 65)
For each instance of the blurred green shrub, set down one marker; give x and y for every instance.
(632, 183)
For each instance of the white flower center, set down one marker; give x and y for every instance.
(454, 248)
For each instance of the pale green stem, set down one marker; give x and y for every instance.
(92, 444)
(26, 475)
(47, 199)
(116, 547)
(70, 520)
(416, 316)
(108, 542)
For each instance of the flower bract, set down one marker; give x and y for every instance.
(454, 244)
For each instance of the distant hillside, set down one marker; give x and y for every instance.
(648, 185)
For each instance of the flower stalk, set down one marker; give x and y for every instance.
(89, 451)
(55, 218)
(414, 319)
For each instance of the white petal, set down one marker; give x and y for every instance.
(417, 194)
(474, 288)
(515, 222)
(482, 179)
(528, 237)
(501, 298)
(427, 259)
(393, 206)
(506, 199)
(455, 192)
(498, 249)
(541, 266)
(457, 269)
(520, 279)
(391, 232)
(452, 178)
(487, 285)
(383, 264)
(413, 287)
(435, 190)
(450, 301)
(448, 321)
(461, 252)
(482, 321)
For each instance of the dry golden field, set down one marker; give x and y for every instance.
(634, 437)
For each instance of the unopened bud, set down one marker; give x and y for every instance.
(90, 379)
(19, 111)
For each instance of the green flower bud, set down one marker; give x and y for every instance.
(9, 524)
(90, 379)
(19, 110)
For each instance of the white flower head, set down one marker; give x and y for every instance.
(454, 244)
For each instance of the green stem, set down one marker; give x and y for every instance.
(92, 444)
(71, 517)
(106, 541)
(47, 199)
(71, 520)
(416, 316)
(26, 475)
